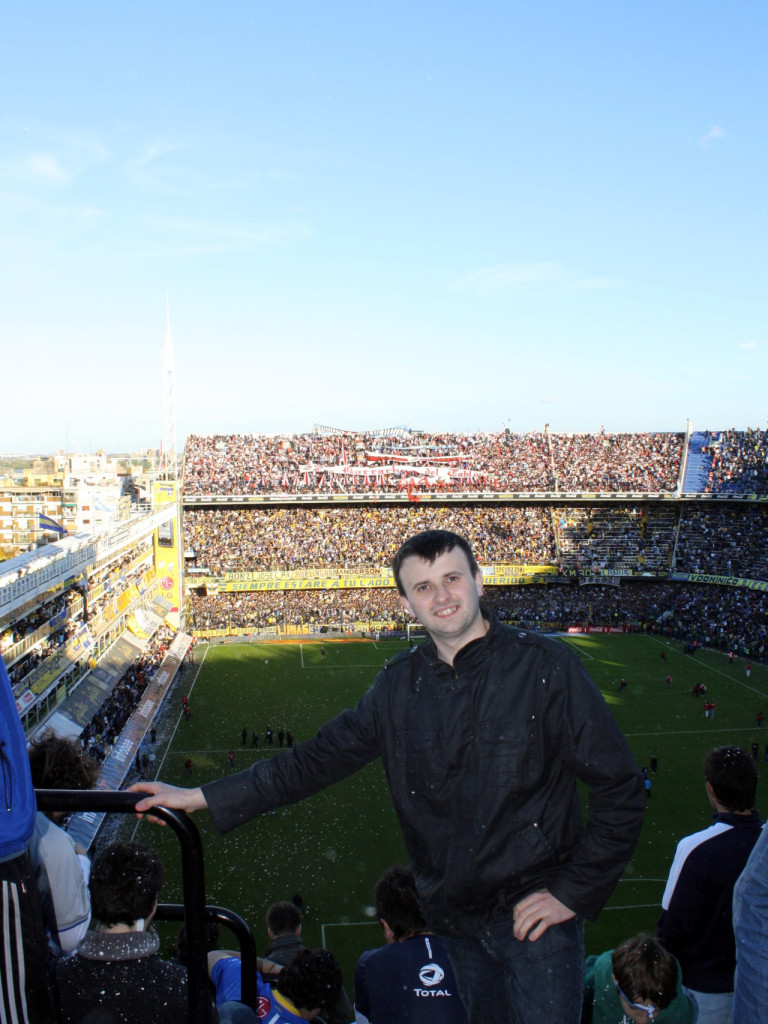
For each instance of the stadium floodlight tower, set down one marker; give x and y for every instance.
(168, 469)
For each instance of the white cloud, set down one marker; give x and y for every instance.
(197, 237)
(535, 278)
(46, 166)
(550, 400)
(748, 344)
(42, 156)
(153, 152)
(714, 134)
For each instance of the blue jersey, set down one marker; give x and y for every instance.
(409, 981)
(225, 975)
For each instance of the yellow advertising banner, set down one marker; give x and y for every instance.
(167, 545)
(510, 569)
(342, 583)
(279, 575)
(127, 597)
(323, 583)
(47, 672)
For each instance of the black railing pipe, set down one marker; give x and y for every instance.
(243, 934)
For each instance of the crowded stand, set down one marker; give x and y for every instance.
(724, 541)
(66, 614)
(416, 462)
(621, 538)
(240, 540)
(580, 542)
(617, 462)
(28, 624)
(723, 617)
(103, 730)
(329, 463)
(334, 609)
(739, 461)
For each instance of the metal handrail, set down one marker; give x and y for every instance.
(195, 912)
(242, 930)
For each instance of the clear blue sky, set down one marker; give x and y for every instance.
(452, 215)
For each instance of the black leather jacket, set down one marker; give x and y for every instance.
(482, 760)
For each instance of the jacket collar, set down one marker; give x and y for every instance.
(98, 945)
(468, 655)
(751, 820)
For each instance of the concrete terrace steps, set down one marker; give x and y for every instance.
(698, 463)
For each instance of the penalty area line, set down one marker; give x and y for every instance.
(582, 654)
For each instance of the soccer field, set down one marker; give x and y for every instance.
(332, 847)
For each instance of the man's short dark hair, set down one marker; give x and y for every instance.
(125, 882)
(732, 774)
(397, 903)
(57, 762)
(283, 918)
(311, 980)
(645, 971)
(429, 545)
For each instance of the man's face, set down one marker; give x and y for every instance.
(444, 597)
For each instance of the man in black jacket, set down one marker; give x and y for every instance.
(483, 731)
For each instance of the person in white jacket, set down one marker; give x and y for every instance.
(61, 867)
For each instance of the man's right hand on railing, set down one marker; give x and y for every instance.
(162, 795)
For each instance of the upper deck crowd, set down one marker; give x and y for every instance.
(444, 463)
(415, 462)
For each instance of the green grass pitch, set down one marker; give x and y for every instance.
(332, 847)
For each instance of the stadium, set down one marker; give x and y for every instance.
(256, 584)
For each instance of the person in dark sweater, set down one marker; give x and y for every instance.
(284, 930)
(116, 967)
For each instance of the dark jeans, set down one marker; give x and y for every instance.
(504, 981)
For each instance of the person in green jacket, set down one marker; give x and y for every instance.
(635, 983)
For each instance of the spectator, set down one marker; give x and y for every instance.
(116, 966)
(638, 980)
(61, 867)
(750, 926)
(284, 930)
(24, 988)
(695, 924)
(303, 990)
(400, 981)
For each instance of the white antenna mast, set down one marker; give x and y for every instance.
(168, 469)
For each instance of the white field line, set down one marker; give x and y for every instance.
(343, 924)
(632, 906)
(577, 648)
(625, 906)
(173, 735)
(694, 732)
